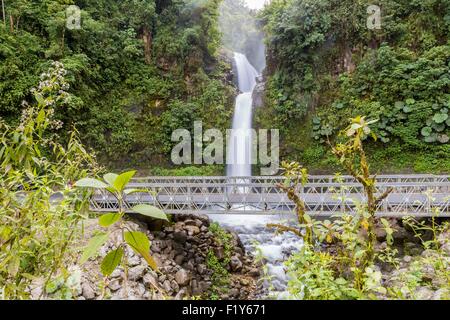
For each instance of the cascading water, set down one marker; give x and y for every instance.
(251, 229)
(240, 152)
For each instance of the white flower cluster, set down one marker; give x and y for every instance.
(51, 89)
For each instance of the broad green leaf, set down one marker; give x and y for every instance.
(111, 261)
(90, 183)
(41, 116)
(123, 179)
(139, 242)
(150, 211)
(14, 266)
(94, 244)
(108, 219)
(110, 178)
(130, 191)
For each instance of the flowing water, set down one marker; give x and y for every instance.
(240, 151)
(257, 239)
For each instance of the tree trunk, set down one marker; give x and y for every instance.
(147, 37)
(3, 11)
(11, 23)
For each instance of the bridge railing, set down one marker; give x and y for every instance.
(418, 195)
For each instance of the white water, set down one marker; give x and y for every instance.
(240, 149)
(251, 229)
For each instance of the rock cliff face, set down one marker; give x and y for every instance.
(259, 92)
(181, 253)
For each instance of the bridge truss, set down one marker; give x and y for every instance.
(417, 195)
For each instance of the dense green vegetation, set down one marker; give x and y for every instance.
(345, 257)
(40, 212)
(137, 69)
(325, 66)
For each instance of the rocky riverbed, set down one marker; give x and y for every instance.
(180, 250)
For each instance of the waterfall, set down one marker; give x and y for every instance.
(239, 153)
(257, 239)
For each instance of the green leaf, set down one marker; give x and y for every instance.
(410, 101)
(139, 242)
(150, 211)
(110, 178)
(111, 261)
(130, 191)
(94, 244)
(426, 131)
(41, 116)
(90, 183)
(123, 179)
(399, 104)
(108, 219)
(440, 117)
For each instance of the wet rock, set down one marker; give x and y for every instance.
(254, 272)
(235, 263)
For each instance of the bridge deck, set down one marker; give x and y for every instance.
(419, 195)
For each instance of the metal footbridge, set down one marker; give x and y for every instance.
(417, 195)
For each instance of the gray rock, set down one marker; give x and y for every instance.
(114, 285)
(167, 287)
(179, 259)
(140, 290)
(201, 269)
(428, 272)
(254, 272)
(174, 286)
(219, 252)
(134, 261)
(118, 272)
(88, 292)
(150, 281)
(234, 293)
(446, 248)
(192, 230)
(423, 293)
(136, 273)
(441, 294)
(180, 236)
(162, 278)
(235, 263)
(182, 277)
(180, 294)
